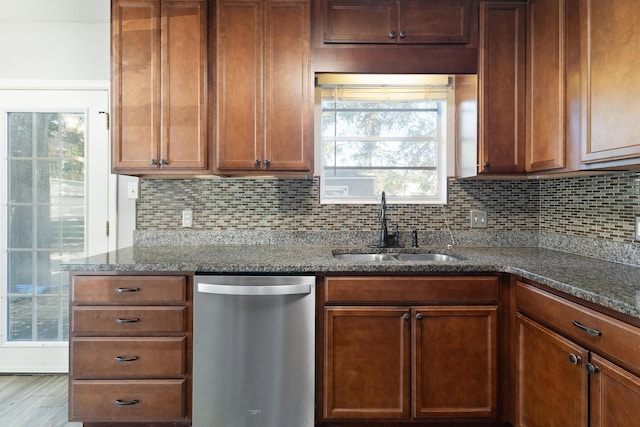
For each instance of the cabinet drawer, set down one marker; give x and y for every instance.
(606, 335)
(128, 320)
(128, 289)
(408, 290)
(128, 357)
(126, 401)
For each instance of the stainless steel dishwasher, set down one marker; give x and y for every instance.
(253, 351)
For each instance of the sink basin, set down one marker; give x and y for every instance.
(426, 257)
(366, 257)
(394, 257)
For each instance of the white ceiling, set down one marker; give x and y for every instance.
(79, 11)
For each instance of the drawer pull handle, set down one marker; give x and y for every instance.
(126, 402)
(124, 290)
(126, 359)
(134, 320)
(590, 331)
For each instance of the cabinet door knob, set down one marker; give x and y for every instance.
(486, 165)
(153, 162)
(592, 369)
(257, 163)
(406, 317)
(163, 162)
(574, 359)
(403, 34)
(419, 316)
(267, 163)
(392, 35)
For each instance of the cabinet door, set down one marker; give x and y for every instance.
(551, 382)
(614, 394)
(287, 86)
(455, 361)
(239, 84)
(360, 21)
(611, 88)
(135, 92)
(367, 362)
(184, 143)
(501, 88)
(545, 85)
(434, 22)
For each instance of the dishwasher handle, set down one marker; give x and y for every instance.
(259, 290)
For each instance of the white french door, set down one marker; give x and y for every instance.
(56, 204)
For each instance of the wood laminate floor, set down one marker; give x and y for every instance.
(34, 401)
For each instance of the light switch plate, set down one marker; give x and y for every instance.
(638, 229)
(132, 190)
(478, 219)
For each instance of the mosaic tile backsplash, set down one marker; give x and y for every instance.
(572, 214)
(293, 205)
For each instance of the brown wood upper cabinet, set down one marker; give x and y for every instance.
(610, 61)
(501, 84)
(545, 80)
(398, 21)
(263, 87)
(159, 81)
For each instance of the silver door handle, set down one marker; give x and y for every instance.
(221, 289)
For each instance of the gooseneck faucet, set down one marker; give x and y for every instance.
(386, 239)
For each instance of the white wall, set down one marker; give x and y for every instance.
(54, 39)
(46, 41)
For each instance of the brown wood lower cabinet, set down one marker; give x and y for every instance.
(562, 380)
(432, 358)
(551, 380)
(130, 349)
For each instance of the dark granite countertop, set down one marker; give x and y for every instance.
(612, 285)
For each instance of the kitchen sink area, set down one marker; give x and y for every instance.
(396, 257)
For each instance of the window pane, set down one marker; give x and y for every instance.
(388, 138)
(47, 173)
(396, 123)
(20, 319)
(20, 272)
(48, 322)
(20, 227)
(46, 282)
(20, 140)
(20, 181)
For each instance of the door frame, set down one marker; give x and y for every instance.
(45, 356)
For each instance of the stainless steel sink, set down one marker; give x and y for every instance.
(366, 257)
(394, 257)
(427, 257)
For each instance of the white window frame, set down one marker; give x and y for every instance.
(446, 147)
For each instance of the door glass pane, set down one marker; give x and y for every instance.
(45, 213)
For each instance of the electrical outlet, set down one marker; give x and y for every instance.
(638, 228)
(478, 219)
(187, 218)
(132, 190)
